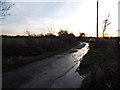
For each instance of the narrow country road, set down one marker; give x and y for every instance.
(55, 72)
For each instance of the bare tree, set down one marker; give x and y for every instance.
(63, 32)
(105, 24)
(28, 33)
(4, 8)
(51, 29)
(82, 34)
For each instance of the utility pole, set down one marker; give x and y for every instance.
(97, 20)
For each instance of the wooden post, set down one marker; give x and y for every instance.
(97, 21)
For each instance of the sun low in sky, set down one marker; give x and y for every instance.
(73, 15)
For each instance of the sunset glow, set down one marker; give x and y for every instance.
(78, 16)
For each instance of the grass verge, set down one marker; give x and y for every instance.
(100, 65)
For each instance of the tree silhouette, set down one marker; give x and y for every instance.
(82, 34)
(28, 33)
(51, 29)
(105, 24)
(4, 8)
(63, 32)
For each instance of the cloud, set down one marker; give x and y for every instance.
(33, 25)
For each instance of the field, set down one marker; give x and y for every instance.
(21, 50)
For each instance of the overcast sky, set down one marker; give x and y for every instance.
(74, 15)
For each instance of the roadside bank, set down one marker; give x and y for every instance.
(100, 65)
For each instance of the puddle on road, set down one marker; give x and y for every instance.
(72, 79)
(73, 50)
